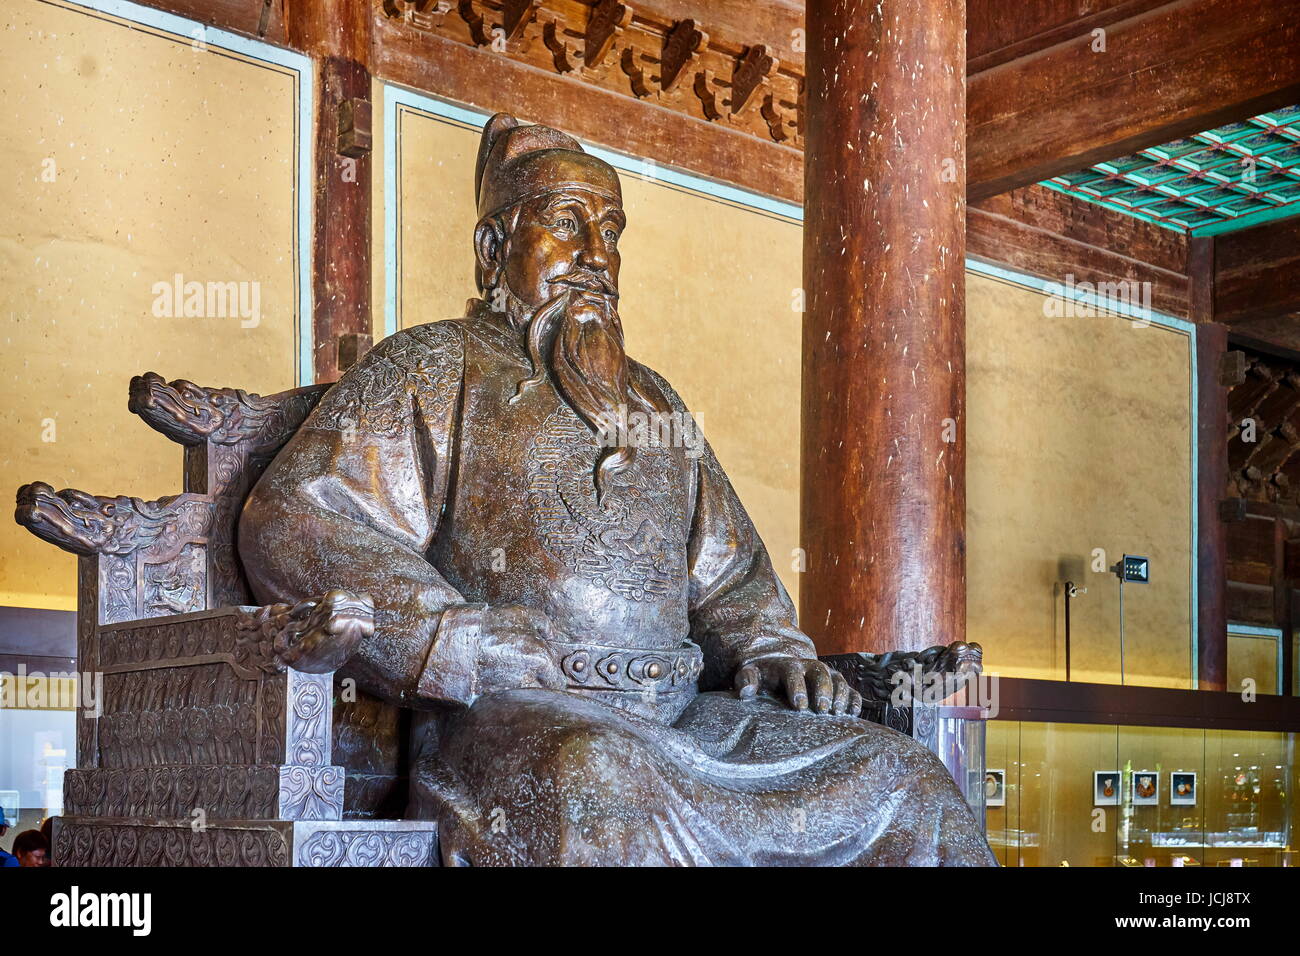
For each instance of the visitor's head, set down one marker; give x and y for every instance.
(31, 848)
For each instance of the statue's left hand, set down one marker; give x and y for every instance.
(800, 681)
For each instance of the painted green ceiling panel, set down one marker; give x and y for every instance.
(1218, 181)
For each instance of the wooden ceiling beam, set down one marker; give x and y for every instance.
(1172, 71)
(1001, 30)
(1050, 235)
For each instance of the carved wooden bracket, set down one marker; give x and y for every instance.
(554, 36)
(707, 95)
(423, 13)
(776, 123)
(1232, 368)
(517, 15)
(750, 72)
(608, 19)
(672, 62)
(479, 33)
(681, 45)
(635, 73)
(354, 127)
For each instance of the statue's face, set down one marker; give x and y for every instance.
(566, 241)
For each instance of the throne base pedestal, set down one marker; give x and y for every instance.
(102, 841)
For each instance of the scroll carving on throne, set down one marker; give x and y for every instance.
(566, 649)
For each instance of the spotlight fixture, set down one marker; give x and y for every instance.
(1134, 568)
(1137, 570)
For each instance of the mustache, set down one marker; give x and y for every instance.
(588, 282)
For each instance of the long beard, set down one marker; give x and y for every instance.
(586, 363)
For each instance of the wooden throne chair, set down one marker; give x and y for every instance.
(206, 746)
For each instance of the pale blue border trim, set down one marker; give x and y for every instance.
(397, 96)
(184, 30)
(393, 96)
(1254, 630)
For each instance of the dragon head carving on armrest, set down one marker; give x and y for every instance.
(874, 675)
(97, 524)
(192, 414)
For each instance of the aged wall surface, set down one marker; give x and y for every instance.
(1079, 438)
(132, 156)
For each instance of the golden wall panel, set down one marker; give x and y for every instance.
(132, 156)
(1079, 439)
(1255, 658)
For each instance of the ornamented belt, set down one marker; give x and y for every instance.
(637, 669)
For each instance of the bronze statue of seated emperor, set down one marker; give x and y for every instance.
(608, 669)
(563, 638)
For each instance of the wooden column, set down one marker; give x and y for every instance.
(336, 34)
(1211, 470)
(884, 461)
(1212, 539)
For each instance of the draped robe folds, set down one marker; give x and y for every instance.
(418, 481)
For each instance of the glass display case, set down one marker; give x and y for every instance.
(1112, 795)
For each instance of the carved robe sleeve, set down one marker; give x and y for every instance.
(739, 609)
(353, 501)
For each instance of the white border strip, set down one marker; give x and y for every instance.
(191, 31)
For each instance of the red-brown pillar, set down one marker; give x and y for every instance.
(336, 34)
(884, 459)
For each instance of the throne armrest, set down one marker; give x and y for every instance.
(874, 675)
(88, 524)
(192, 414)
(316, 636)
(228, 710)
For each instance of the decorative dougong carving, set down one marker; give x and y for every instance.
(681, 44)
(673, 62)
(478, 27)
(517, 15)
(608, 18)
(1264, 432)
(751, 70)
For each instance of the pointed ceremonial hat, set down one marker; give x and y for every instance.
(518, 162)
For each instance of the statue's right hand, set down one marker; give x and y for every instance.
(515, 649)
